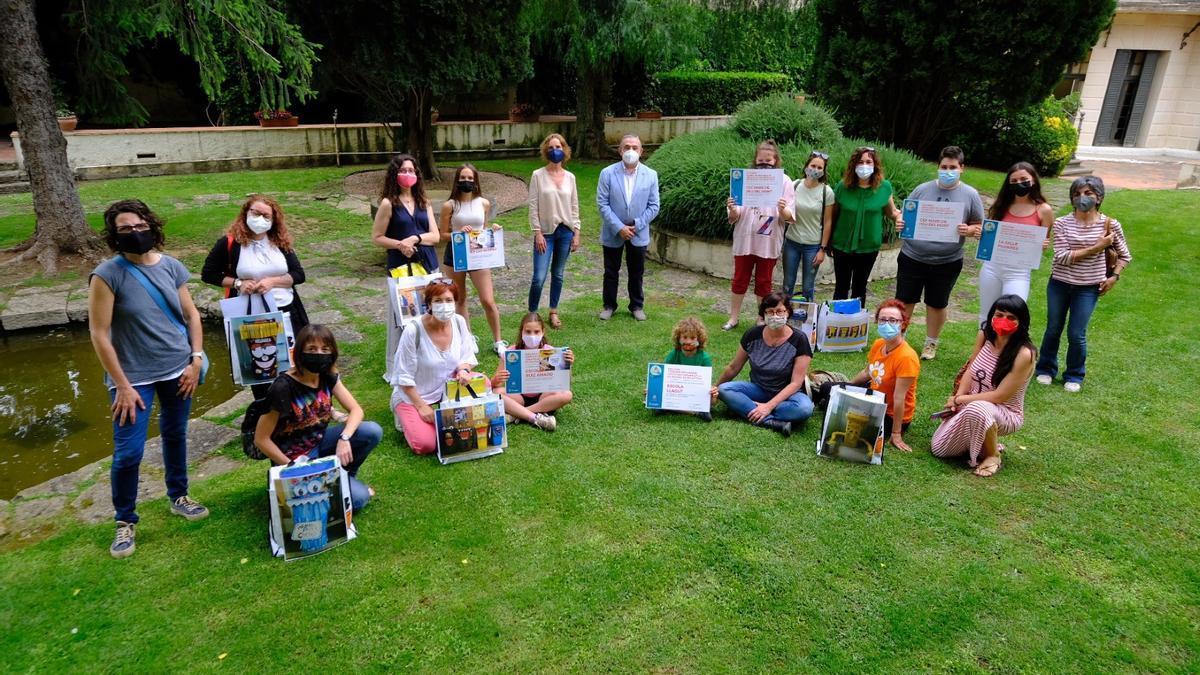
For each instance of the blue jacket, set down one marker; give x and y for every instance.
(616, 213)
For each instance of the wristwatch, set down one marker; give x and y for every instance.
(344, 437)
(197, 355)
(237, 285)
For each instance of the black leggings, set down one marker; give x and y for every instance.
(850, 274)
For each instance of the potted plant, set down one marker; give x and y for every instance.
(276, 118)
(67, 121)
(522, 112)
(651, 111)
(433, 115)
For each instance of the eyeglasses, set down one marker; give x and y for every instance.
(865, 148)
(818, 153)
(776, 312)
(136, 227)
(891, 321)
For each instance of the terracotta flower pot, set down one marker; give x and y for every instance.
(68, 123)
(525, 118)
(279, 122)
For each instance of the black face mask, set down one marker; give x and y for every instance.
(135, 242)
(1022, 189)
(316, 363)
(466, 186)
(762, 165)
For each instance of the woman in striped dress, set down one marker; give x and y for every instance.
(990, 399)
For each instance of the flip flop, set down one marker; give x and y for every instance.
(995, 468)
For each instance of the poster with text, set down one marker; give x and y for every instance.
(478, 249)
(756, 188)
(674, 387)
(927, 220)
(537, 371)
(1011, 244)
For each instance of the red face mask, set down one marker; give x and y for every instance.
(406, 180)
(1003, 325)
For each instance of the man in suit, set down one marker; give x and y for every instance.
(628, 199)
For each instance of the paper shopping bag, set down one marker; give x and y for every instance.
(259, 348)
(842, 332)
(311, 510)
(470, 424)
(853, 427)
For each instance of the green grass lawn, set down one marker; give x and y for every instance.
(630, 542)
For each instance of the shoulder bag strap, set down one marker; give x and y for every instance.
(155, 294)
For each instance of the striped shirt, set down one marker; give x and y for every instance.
(1072, 235)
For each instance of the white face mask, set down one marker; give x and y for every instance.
(630, 157)
(532, 341)
(864, 171)
(442, 311)
(776, 321)
(258, 224)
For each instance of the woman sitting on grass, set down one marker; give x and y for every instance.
(990, 399)
(301, 400)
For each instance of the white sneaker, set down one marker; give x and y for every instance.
(499, 347)
(929, 353)
(1044, 379)
(1073, 387)
(545, 422)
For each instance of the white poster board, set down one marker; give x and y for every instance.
(478, 249)
(1011, 244)
(756, 188)
(674, 387)
(928, 220)
(537, 371)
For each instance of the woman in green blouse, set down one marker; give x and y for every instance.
(863, 203)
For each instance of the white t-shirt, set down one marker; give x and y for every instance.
(630, 179)
(419, 363)
(260, 259)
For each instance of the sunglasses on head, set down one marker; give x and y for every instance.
(865, 148)
(818, 153)
(441, 281)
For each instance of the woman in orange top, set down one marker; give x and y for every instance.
(892, 368)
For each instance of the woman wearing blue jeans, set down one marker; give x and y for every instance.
(147, 335)
(779, 358)
(1079, 277)
(554, 218)
(804, 240)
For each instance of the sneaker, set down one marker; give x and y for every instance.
(606, 314)
(1073, 387)
(638, 314)
(122, 546)
(510, 420)
(1044, 379)
(189, 508)
(929, 353)
(545, 422)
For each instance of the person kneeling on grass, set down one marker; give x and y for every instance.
(892, 368)
(535, 409)
(690, 337)
(990, 398)
(301, 400)
(779, 358)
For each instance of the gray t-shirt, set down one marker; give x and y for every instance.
(149, 347)
(771, 367)
(936, 252)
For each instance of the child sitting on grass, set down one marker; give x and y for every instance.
(535, 409)
(689, 337)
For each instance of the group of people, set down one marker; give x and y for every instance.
(147, 332)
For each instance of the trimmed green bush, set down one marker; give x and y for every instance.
(1042, 134)
(701, 93)
(780, 117)
(902, 168)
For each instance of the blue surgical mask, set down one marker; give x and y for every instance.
(864, 171)
(1084, 203)
(556, 155)
(948, 177)
(887, 331)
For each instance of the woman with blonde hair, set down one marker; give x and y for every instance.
(554, 218)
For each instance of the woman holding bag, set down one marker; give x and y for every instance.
(256, 256)
(147, 334)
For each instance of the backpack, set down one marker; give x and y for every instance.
(257, 408)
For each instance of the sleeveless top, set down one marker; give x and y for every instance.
(979, 374)
(1031, 219)
(404, 224)
(468, 214)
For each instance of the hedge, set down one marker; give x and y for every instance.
(693, 170)
(718, 93)
(1042, 134)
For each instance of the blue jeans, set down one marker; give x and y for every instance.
(1063, 298)
(365, 438)
(129, 442)
(794, 256)
(558, 248)
(741, 397)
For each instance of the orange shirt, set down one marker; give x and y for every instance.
(884, 369)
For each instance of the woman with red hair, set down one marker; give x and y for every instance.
(892, 368)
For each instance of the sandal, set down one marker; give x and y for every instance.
(986, 470)
(729, 325)
(555, 322)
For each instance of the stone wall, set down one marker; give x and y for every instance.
(119, 153)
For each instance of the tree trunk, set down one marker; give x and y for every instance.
(593, 95)
(60, 222)
(418, 117)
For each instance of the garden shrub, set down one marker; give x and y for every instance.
(1042, 134)
(780, 117)
(702, 93)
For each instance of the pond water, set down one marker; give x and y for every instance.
(54, 407)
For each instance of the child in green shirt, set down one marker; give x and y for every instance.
(690, 337)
